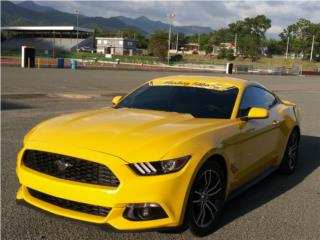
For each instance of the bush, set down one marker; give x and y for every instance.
(222, 53)
(230, 55)
(226, 53)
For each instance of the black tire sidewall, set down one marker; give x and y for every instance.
(284, 166)
(214, 165)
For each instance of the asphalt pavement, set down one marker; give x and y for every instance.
(279, 207)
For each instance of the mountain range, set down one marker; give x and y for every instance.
(29, 13)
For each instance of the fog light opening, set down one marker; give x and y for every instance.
(144, 212)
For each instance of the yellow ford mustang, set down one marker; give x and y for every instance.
(168, 154)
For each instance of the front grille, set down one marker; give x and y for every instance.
(71, 205)
(69, 168)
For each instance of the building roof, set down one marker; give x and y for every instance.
(47, 28)
(115, 38)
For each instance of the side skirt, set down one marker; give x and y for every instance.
(249, 184)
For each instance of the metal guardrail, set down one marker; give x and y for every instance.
(269, 69)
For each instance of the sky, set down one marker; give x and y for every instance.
(214, 14)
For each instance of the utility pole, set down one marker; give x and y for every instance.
(171, 16)
(53, 44)
(235, 45)
(169, 43)
(287, 47)
(312, 48)
(198, 43)
(177, 44)
(77, 12)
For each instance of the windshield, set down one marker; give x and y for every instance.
(199, 102)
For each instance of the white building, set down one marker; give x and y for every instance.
(116, 45)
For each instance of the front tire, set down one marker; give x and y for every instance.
(289, 161)
(206, 199)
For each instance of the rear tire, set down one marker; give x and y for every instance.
(289, 161)
(206, 199)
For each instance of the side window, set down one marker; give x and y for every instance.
(255, 97)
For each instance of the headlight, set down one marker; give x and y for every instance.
(159, 167)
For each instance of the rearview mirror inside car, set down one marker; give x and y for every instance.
(256, 113)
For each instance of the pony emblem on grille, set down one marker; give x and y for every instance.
(62, 165)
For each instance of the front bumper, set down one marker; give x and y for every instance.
(168, 191)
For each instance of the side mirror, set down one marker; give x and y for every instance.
(116, 100)
(256, 113)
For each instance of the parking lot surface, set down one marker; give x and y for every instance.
(279, 207)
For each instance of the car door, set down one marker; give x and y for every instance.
(257, 142)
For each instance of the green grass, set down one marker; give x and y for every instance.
(263, 61)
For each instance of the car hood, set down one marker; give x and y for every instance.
(131, 134)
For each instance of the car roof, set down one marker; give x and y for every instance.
(229, 81)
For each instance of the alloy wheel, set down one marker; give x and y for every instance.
(207, 191)
(293, 150)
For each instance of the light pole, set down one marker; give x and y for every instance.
(312, 48)
(77, 12)
(171, 16)
(287, 48)
(177, 43)
(198, 43)
(235, 45)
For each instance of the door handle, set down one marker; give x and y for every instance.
(275, 122)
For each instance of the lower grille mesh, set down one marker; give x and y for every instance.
(71, 205)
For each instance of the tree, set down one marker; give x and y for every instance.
(158, 44)
(251, 34)
(301, 34)
(206, 43)
(315, 31)
(230, 54)
(223, 35)
(296, 33)
(274, 47)
(222, 53)
(226, 53)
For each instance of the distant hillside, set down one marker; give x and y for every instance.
(30, 13)
(150, 26)
(35, 7)
(21, 14)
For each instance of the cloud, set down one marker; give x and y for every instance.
(214, 14)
